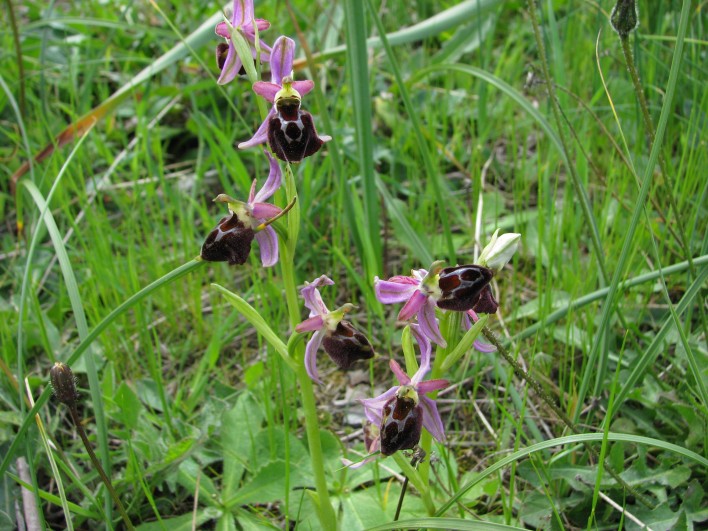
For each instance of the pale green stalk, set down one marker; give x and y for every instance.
(449, 328)
(325, 511)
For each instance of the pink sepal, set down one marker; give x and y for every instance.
(311, 324)
(413, 306)
(268, 242)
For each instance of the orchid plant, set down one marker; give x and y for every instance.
(399, 418)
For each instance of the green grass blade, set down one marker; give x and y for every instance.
(55, 474)
(420, 248)
(609, 305)
(414, 116)
(358, 70)
(77, 308)
(570, 440)
(649, 355)
(455, 524)
(506, 89)
(86, 343)
(46, 216)
(53, 499)
(255, 318)
(601, 293)
(434, 25)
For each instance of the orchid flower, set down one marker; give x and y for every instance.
(403, 410)
(242, 20)
(460, 288)
(420, 292)
(289, 131)
(341, 341)
(231, 240)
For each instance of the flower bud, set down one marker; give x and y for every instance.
(461, 286)
(624, 17)
(229, 242)
(499, 250)
(346, 344)
(402, 422)
(63, 383)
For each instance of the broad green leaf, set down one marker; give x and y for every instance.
(188, 473)
(185, 522)
(240, 425)
(362, 510)
(130, 407)
(662, 518)
(266, 486)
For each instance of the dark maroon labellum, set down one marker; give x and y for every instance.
(401, 425)
(346, 345)
(291, 132)
(461, 287)
(486, 302)
(229, 242)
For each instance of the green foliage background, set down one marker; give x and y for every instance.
(202, 421)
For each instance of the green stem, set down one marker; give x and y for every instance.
(325, 511)
(287, 265)
(288, 273)
(449, 326)
(97, 465)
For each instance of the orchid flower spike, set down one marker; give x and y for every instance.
(289, 131)
(231, 240)
(243, 21)
(341, 341)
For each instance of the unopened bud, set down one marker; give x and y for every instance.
(499, 250)
(624, 17)
(63, 383)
